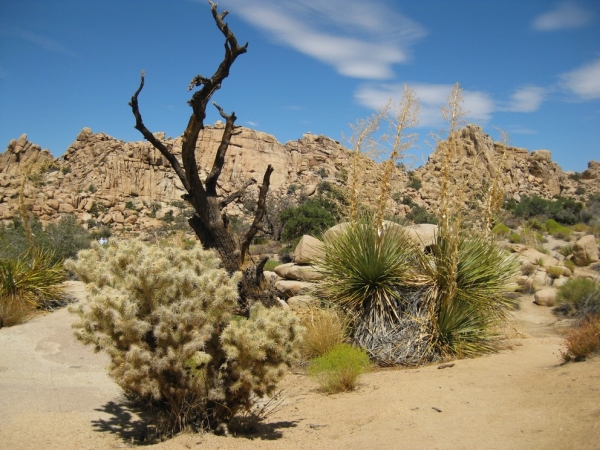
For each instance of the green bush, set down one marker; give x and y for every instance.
(579, 296)
(501, 230)
(563, 210)
(61, 240)
(312, 217)
(514, 238)
(338, 370)
(418, 214)
(414, 182)
(165, 317)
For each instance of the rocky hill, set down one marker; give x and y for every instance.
(129, 185)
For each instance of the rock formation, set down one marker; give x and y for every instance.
(129, 185)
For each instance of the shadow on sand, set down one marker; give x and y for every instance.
(134, 424)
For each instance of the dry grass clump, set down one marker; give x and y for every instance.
(325, 328)
(584, 340)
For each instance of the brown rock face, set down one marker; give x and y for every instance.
(129, 185)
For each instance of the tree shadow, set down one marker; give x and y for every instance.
(128, 421)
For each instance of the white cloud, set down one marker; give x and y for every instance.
(360, 39)
(584, 81)
(565, 15)
(43, 42)
(477, 105)
(526, 99)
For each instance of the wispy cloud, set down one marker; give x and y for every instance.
(526, 99)
(251, 123)
(566, 15)
(477, 105)
(360, 39)
(584, 81)
(42, 41)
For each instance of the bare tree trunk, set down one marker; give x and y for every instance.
(210, 222)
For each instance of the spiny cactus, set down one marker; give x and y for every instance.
(164, 315)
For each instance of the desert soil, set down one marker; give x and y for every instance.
(55, 394)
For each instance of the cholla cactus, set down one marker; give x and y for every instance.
(164, 315)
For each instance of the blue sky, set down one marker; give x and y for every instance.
(531, 68)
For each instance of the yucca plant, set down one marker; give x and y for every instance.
(32, 278)
(470, 276)
(375, 275)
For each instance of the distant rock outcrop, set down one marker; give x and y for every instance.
(130, 186)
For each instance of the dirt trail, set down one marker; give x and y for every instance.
(54, 394)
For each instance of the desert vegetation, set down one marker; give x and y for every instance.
(31, 265)
(165, 316)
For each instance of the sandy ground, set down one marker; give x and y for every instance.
(55, 394)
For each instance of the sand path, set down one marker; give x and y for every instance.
(55, 394)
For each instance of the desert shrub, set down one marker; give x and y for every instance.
(65, 238)
(554, 271)
(500, 230)
(312, 217)
(286, 255)
(535, 224)
(271, 264)
(570, 264)
(514, 238)
(338, 370)
(528, 269)
(165, 317)
(471, 279)
(565, 250)
(60, 241)
(408, 307)
(414, 182)
(579, 296)
(580, 227)
(28, 282)
(583, 340)
(563, 233)
(418, 214)
(563, 210)
(325, 328)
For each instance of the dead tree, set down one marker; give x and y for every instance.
(210, 222)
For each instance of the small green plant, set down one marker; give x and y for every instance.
(92, 189)
(565, 250)
(418, 215)
(570, 264)
(514, 238)
(339, 369)
(554, 271)
(271, 264)
(65, 170)
(501, 230)
(540, 262)
(528, 269)
(580, 191)
(129, 205)
(583, 340)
